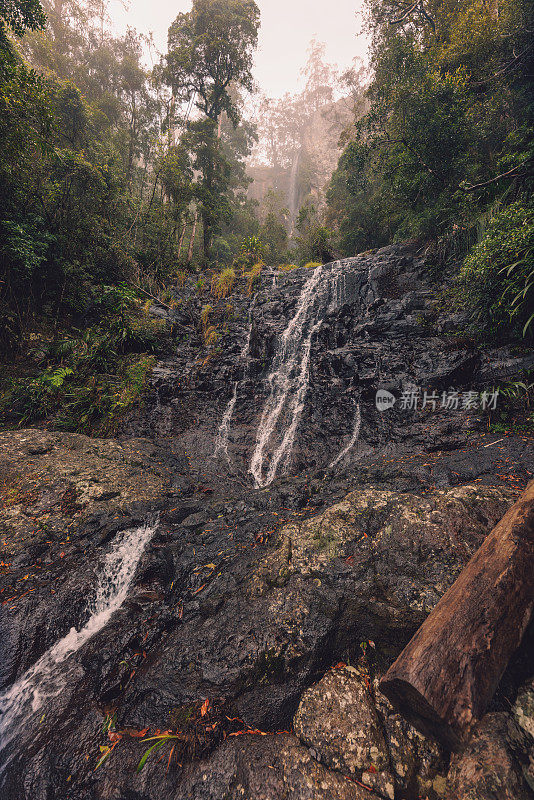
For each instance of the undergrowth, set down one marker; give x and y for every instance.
(85, 380)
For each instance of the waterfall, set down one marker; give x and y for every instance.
(354, 438)
(288, 383)
(293, 194)
(45, 680)
(323, 291)
(221, 441)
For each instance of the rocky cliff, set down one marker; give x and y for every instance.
(227, 581)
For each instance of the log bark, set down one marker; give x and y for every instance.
(445, 678)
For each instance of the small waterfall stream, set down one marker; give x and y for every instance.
(46, 679)
(288, 381)
(354, 438)
(293, 192)
(221, 442)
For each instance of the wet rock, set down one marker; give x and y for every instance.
(248, 597)
(64, 496)
(523, 710)
(243, 768)
(337, 720)
(417, 763)
(496, 764)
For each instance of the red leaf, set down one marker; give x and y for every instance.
(205, 707)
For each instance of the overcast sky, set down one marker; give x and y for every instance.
(287, 27)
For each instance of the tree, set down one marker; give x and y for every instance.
(450, 110)
(18, 16)
(273, 230)
(210, 51)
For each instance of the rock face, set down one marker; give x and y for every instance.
(259, 621)
(371, 322)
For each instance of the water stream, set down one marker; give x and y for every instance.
(354, 438)
(29, 697)
(221, 441)
(288, 382)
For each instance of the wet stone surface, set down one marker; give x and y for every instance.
(259, 621)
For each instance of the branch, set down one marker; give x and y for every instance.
(404, 14)
(511, 65)
(475, 186)
(417, 6)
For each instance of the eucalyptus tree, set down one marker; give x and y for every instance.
(210, 56)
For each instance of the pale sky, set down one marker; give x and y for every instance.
(287, 27)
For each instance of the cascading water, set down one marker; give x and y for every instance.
(293, 194)
(221, 442)
(45, 680)
(289, 378)
(354, 438)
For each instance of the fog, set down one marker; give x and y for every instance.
(287, 27)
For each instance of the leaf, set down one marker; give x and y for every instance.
(205, 707)
(139, 734)
(106, 754)
(146, 755)
(527, 325)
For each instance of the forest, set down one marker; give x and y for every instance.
(266, 400)
(118, 179)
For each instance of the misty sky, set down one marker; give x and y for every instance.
(287, 27)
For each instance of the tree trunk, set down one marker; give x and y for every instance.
(206, 235)
(445, 678)
(192, 240)
(182, 237)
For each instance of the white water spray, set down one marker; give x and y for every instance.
(354, 438)
(221, 442)
(45, 680)
(324, 290)
(288, 385)
(223, 434)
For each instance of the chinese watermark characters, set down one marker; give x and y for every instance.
(414, 400)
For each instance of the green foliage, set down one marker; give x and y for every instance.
(86, 382)
(497, 278)
(251, 251)
(253, 276)
(273, 230)
(17, 16)
(449, 126)
(314, 240)
(209, 60)
(210, 48)
(91, 189)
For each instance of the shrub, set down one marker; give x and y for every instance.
(211, 336)
(253, 276)
(222, 284)
(496, 280)
(205, 314)
(181, 278)
(251, 251)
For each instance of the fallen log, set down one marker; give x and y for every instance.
(445, 678)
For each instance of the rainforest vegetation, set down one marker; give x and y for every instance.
(118, 180)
